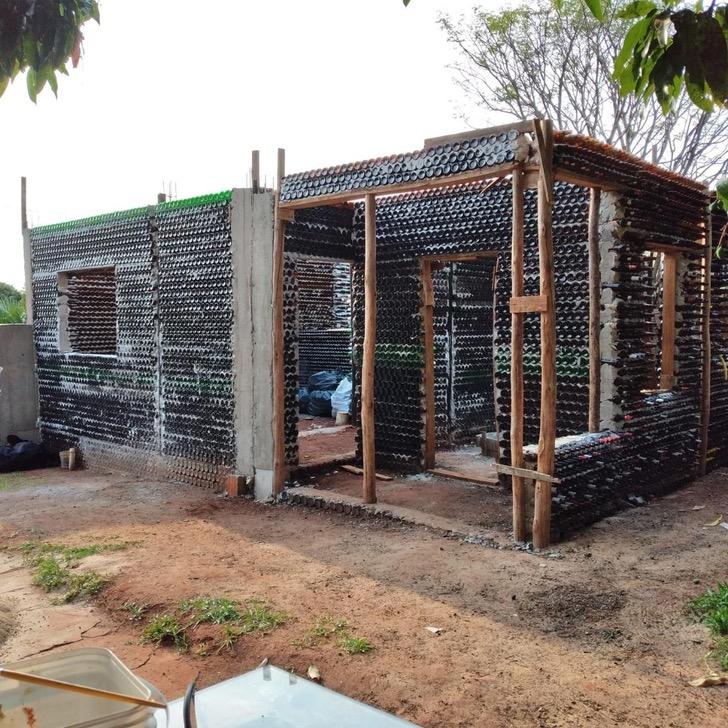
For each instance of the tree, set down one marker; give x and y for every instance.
(671, 46)
(555, 61)
(8, 291)
(41, 37)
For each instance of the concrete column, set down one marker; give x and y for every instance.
(18, 384)
(609, 215)
(252, 217)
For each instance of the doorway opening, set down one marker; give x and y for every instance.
(325, 432)
(461, 432)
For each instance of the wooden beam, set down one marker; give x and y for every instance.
(427, 310)
(707, 353)
(529, 304)
(360, 471)
(669, 296)
(473, 175)
(545, 154)
(520, 126)
(595, 297)
(287, 215)
(671, 249)
(525, 473)
(255, 170)
(23, 203)
(463, 257)
(517, 486)
(547, 428)
(583, 180)
(370, 340)
(279, 391)
(456, 475)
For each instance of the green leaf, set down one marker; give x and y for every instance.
(713, 53)
(636, 9)
(595, 6)
(31, 80)
(636, 35)
(4, 84)
(721, 190)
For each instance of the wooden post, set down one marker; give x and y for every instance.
(370, 336)
(517, 484)
(27, 257)
(279, 408)
(161, 197)
(255, 170)
(595, 290)
(428, 304)
(547, 433)
(669, 294)
(707, 302)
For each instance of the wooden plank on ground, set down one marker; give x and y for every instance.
(455, 475)
(360, 471)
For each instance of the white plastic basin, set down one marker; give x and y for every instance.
(23, 705)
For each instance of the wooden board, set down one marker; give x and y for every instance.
(428, 304)
(547, 425)
(525, 473)
(369, 494)
(521, 126)
(669, 294)
(455, 475)
(360, 471)
(517, 282)
(474, 175)
(529, 304)
(595, 291)
(279, 387)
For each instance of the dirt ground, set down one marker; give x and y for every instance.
(593, 633)
(321, 441)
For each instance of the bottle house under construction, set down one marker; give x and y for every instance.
(524, 308)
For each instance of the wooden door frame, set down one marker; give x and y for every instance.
(428, 337)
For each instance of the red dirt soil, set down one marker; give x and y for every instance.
(592, 634)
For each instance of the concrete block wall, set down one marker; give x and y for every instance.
(18, 383)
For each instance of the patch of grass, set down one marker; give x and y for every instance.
(356, 645)
(35, 551)
(215, 611)
(166, 628)
(720, 652)
(87, 584)
(711, 608)
(257, 616)
(11, 482)
(136, 611)
(323, 628)
(49, 574)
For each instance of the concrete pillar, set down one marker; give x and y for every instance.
(18, 384)
(609, 215)
(252, 218)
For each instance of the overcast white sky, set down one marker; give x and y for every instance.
(166, 92)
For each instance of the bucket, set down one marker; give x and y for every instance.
(26, 705)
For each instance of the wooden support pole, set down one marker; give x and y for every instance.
(517, 485)
(547, 432)
(279, 408)
(161, 197)
(370, 340)
(255, 170)
(428, 305)
(707, 303)
(27, 256)
(669, 296)
(595, 291)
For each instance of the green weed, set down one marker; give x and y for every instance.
(165, 628)
(711, 608)
(720, 652)
(323, 628)
(257, 616)
(87, 584)
(49, 574)
(356, 645)
(34, 551)
(136, 611)
(215, 611)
